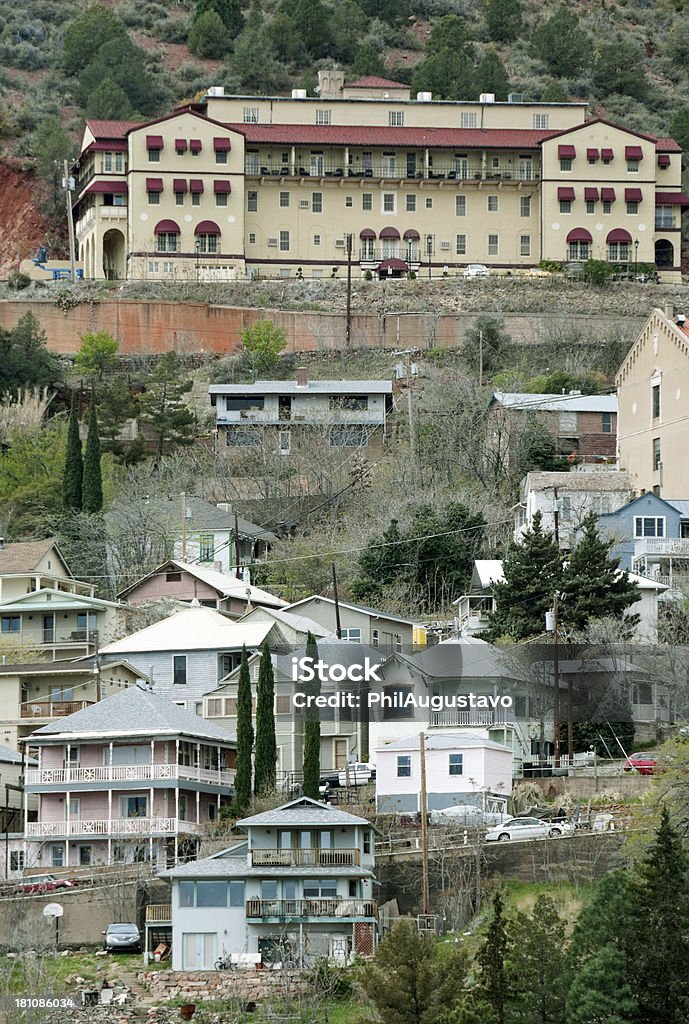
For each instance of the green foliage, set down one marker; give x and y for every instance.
(86, 34)
(209, 37)
(503, 20)
(558, 381)
(163, 407)
(312, 729)
(51, 145)
(347, 25)
(122, 64)
(97, 353)
(552, 266)
(74, 465)
(618, 67)
(491, 959)
(600, 991)
(92, 485)
(229, 12)
(561, 44)
(266, 749)
(109, 101)
(255, 63)
(448, 74)
(448, 33)
(429, 562)
(24, 359)
(263, 343)
(537, 449)
(593, 586)
(554, 92)
(31, 464)
(312, 24)
(486, 335)
(679, 127)
(367, 62)
(17, 281)
(115, 406)
(245, 737)
(597, 272)
(491, 76)
(538, 979)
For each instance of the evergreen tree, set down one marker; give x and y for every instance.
(115, 406)
(24, 358)
(86, 33)
(619, 67)
(109, 101)
(504, 20)
(97, 353)
(163, 407)
(92, 481)
(679, 126)
(209, 38)
(229, 11)
(532, 573)
(74, 467)
(560, 44)
(245, 737)
(593, 587)
(367, 62)
(537, 975)
(491, 958)
(266, 748)
(491, 76)
(312, 729)
(600, 991)
(487, 344)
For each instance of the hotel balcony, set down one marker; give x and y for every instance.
(105, 827)
(304, 858)
(469, 173)
(283, 910)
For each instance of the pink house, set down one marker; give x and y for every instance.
(132, 778)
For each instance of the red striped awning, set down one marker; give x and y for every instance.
(663, 160)
(389, 233)
(222, 188)
(367, 233)
(207, 227)
(579, 235)
(565, 192)
(195, 185)
(618, 235)
(633, 153)
(591, 194)
(222, 145)
(606, 154)
(607, 195)
(154, 184)
(154, 142)
(411, 234)
(633, 195)
(167, 227)
(117, 188)
(566, 152)
(671, 199)
(592, 154)
(181, 145)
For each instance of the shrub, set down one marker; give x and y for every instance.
(17, 281)
(368, 276)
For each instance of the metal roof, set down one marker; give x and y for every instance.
(314, 387)
(237, 867)
(556, 403)
(303, 811)
(194, 629)
(377, 613)
(444, 741)
(225, 584)
(10, 756)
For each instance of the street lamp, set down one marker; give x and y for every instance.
(636, 256)
(429, 253)
(198, 250)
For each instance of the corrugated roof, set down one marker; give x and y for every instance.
(444, 741)
(303, 811)
(314, 387)
(375, 82)
(556, 403)
(135, 711)
(194, 629)
(24, 556)
(682, 506)
(237, 867)
(377, 135)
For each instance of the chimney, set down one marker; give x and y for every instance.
(302, 377)
(669, 310)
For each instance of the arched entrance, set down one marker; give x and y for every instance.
(665, 254)
(113, 255)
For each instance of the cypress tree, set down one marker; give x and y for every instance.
(71, 480)
(491, 958)
(92, 486)
(245, 737)
(266, 748)
(312, 731)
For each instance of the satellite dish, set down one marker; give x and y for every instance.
(53, 910)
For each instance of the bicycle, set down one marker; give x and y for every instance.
(224, 963)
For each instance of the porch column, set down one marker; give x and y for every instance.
(152, 758)
(68, 759)
(483, 164)
(198, 807)
(292, 160)
(426, 163)
(198, 761)
(219, 768)
(345, 172)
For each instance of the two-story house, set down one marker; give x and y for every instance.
(565, 499)
(188, 581)
(131, 778)
(362, 625)
(44, 607)
(651, 537)
(350, 413)
(652, 386)
(298, 889)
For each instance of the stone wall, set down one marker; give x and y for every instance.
(247, 985)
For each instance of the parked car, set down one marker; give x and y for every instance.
(357, 774)
(122, 937)
(476, 270)
(527, 828)
(644, 764)
(43, 883)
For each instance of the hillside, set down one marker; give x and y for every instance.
(138, 58)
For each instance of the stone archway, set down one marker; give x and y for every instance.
(665, 254)
(113, 255)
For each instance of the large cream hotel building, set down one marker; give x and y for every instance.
(232, 186)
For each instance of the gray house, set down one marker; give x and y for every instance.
(651, 536)
(362, 625)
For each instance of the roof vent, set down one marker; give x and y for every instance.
(216, 90)
(680, 319)
(424, 97)
(515, 97)
(302, 377)
(487, 97)
(298, 94)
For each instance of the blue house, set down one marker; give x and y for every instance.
(651, 536)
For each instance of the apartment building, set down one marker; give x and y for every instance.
(235, 186)
(565, 499)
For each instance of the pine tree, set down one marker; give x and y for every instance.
(503, 19)
(491, 75)
(266, 748)
(600, 991)
(563, 47)
(593, 587)
(92, 481)
(491, 957)
(74, 468)
(537, 976)
(245, 737)
(312, 730)
(533, 572)
(163, 407)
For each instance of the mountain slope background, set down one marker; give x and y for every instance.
(133, 59)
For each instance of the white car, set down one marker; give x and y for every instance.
(476, 270)
(357, 774)
(528, 828)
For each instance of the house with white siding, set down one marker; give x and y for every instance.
(461, 768)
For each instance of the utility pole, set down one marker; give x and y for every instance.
(410, 418)
(556, 685)
(236, 539)
(556, 516)
(338, 624)
(68, 186)
(348, 315)
(426, 896)
(184, 525)
(480, 359)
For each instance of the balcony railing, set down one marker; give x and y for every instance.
(409, 255)
(395, 172)
(127, 773)
(307, 858)
(662, 546)
(52, 708)
(109, 827)
(158, 913)
(467, 718)
(310, 908)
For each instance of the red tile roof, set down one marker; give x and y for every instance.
(668, 146)
(110, 129)
(372, 135)
(375, 82)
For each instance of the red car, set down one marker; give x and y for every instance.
(644, 764)
(43, 883)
